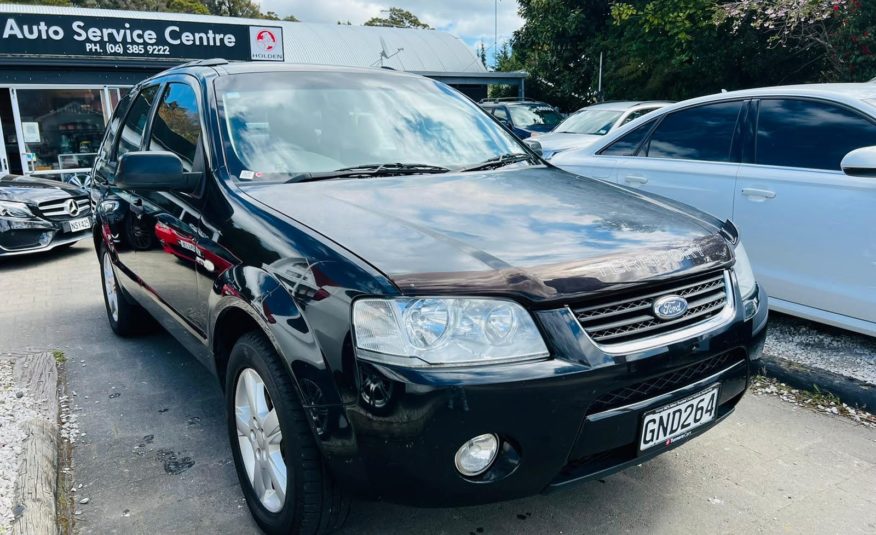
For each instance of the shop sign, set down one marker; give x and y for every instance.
(109, 37)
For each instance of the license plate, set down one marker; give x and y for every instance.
(80, 224)
(678, 419)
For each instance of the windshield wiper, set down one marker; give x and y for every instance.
(498, 161)
(370, 170)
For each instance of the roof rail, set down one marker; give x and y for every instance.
(212, 62)
(509, 99)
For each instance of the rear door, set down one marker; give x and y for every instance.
(691, 156)
(809, 228)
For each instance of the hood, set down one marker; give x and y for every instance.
(537, 232)
(554, 142)
(35, 190)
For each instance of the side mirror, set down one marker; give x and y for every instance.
(147, 170)
(534, 145)
(860, 162)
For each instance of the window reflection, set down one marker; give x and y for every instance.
(299, 122)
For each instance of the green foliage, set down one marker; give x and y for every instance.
(59, 3)
(398, 18)
(187, 6)
(677, 49)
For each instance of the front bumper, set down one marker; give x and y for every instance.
(23, 236)
(562, 420)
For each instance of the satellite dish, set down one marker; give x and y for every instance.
(385, 53)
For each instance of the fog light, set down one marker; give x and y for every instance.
(476, 455)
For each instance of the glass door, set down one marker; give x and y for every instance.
(61, 129)
(9, 153)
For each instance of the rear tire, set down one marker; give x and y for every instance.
(281, 472)
(125, 318)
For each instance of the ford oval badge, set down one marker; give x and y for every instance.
(670, 307)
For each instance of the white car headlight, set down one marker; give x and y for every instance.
(744, 274)
(14, 209)
(436, 331)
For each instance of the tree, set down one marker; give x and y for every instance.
(398, 18)
(234, 8)
(482, 54)
(271, 15)
(187, 6)
(838, 32)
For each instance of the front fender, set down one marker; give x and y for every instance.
(264, 299)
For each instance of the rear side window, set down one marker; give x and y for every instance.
(627, 145)
(501, 114)
(135, 122)
(700, 133)
(636, 114)
(809, 134)
(177, 126)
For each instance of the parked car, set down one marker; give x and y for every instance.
(38, 215)
(524, 117)
(783, 164)
(400, 299)
(590, 124)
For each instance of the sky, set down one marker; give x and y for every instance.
(471, 20)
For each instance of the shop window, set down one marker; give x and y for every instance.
(62, 128)
(135, 122)
(176, 127)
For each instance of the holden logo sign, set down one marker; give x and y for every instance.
(670, 307)
(72, 207)
(266, 44)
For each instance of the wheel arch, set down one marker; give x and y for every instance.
(244, 299)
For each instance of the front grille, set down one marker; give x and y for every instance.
(57, 209)
(667, 382)
(616, 320)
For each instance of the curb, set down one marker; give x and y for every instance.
(853, 392)
(37, 482)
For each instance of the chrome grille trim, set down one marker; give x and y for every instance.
(627, 325)
(57, 209)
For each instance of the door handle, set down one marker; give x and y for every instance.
(637, 180)
(758, 193)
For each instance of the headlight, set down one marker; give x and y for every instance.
(744, 275)
(14, 209)
(454, 331)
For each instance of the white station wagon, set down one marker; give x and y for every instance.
(794, 167)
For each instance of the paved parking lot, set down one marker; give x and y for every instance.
(153, 454)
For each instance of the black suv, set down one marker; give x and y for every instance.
(400, 299)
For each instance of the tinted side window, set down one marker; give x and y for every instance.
(177, 126)
(627, 145)
(501, 114)
(135, 122)
(815, 135)
(636, 114)
(701, 133)
(112, 130)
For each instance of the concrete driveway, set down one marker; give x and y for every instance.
(153, 454)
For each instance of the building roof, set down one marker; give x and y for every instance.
(422, 51)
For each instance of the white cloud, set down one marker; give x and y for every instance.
(472, 20)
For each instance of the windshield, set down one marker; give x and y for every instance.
(528, 116)
(286, 123)
(594, 122)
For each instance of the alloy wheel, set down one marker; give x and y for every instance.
(110, 287)
(260, 440)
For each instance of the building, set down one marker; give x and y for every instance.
(63, 70)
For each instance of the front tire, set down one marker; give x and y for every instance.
(125, 318)
(281, 472)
